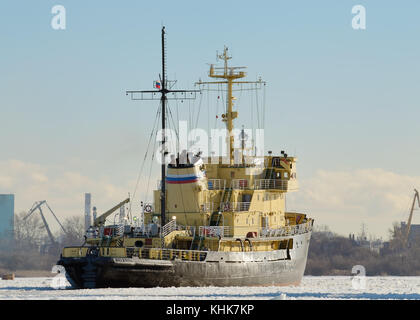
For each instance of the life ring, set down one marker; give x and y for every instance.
(148, 208)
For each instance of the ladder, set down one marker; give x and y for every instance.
(168, 228)
(226, 196)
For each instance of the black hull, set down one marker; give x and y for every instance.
(271, 268)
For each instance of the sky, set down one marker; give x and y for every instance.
(344, 101)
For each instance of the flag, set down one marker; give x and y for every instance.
(157, 84)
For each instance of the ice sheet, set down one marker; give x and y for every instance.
(311, 288)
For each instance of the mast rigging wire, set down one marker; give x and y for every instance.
(145, 157)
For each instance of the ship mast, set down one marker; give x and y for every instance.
(163, 102)
(151, 95)
(229, 74)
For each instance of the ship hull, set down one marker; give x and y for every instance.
(262, 268)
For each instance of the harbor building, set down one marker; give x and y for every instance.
(7, 208)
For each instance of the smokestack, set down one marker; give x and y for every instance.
(88, 220)
(94, 213)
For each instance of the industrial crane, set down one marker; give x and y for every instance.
(37, 205)
(416, 196)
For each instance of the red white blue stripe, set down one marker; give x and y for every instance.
(182, 178)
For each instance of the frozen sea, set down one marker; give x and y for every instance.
(311, 288)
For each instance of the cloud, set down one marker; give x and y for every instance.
(344, 200)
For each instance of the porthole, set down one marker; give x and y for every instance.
(138, 244)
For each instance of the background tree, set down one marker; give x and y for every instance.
(29, 232)
(75, 231)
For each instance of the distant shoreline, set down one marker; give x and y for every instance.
(29, 273)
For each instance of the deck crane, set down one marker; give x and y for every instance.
(100, 221)
(407, 233)
(38, 205)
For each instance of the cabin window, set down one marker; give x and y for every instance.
(286, 175)
(246, 197)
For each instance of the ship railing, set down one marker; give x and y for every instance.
(108, 231)
(152, 230)
(216, 184)
(215, 231)
(287, 230)
(277, 184)
(240, 184)
(147, 230)
(172, 254)
(235, 206)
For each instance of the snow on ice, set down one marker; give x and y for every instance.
(310, 288)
